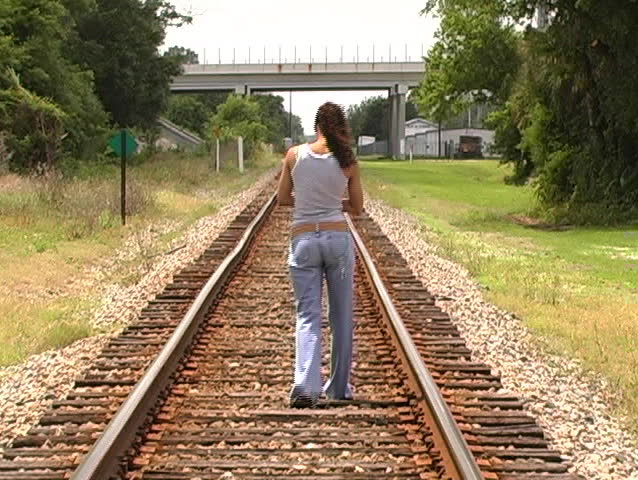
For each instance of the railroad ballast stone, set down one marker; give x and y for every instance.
(574, 407)
(27, 390)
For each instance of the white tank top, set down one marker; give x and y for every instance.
(319, 184)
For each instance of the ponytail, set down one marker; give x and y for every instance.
(331, 120)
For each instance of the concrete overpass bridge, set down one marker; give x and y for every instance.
(395, 77)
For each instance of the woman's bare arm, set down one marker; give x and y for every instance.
(354, 204)
(284, 190)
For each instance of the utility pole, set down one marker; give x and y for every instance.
(290, 116)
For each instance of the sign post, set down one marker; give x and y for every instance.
(123, 144)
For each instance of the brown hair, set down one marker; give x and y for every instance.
(331, 120)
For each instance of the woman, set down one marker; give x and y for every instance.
(321, 245)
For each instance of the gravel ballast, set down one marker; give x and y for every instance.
(28, 389)
(572, 406)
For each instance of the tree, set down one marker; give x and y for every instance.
(371, 117)
(119, 41)
(192, 111)
(35, 125)
(186, 56)
(474, 60)
(33, 44)
(568, 113)
(239, 116)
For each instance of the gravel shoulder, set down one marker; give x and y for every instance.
(574, 407)
(28, 389)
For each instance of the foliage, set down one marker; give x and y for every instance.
(473, 60)
(185, 55)
(371, 117)
(239, 116)
(119, 41)
(193, 111)
(35, 126)
(277, 120)
(188, 111)
(568, 112)
(34, 40)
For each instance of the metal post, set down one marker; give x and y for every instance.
(357, 53)
(290, 116)
(264, 54)
(295, 54)
(341, 53)
(217, 155)
(326, 55)
(390, 54)
(248, 54)
(240, 146)
(406, 52)
(439, 155)
(123, 177)
(204, 56)
(219, 55)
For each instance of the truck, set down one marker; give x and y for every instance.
(469, 147)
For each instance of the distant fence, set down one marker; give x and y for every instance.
(377, 148)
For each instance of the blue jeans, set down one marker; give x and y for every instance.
(313, 255)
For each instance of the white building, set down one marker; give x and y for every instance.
(418, 125)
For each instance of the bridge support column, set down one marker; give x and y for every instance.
(392, 133)
(242, 89)
(397, 122)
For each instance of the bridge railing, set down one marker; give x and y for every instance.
(363, 53)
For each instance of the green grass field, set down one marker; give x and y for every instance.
(576, 287)
(52, 231)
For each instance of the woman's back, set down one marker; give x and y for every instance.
(319, 184)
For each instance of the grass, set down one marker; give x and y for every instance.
(576, 287)
(53, 230)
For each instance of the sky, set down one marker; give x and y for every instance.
(219, 26)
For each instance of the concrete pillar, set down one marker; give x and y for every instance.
(397, 116)
(242, 89)
(392, 137)
(401, 93)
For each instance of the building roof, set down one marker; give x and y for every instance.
(418, 121)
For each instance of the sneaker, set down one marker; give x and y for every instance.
(301, 402)
(299, 399)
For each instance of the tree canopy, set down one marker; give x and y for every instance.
(92, 62)
(371, 117)
(567, 114)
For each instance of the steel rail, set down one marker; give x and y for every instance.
(456, 452)
(104, 459)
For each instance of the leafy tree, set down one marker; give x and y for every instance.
(119, 41)
(189, 111)
(474, 60)
(35, 125)
(239, 116)
(371, 117)
(185, 55)
(568, 112)
(34, 39)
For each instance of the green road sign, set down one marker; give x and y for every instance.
(119, 141)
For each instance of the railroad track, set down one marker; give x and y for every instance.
(197, 387)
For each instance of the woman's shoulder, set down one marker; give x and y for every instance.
(293, 154)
